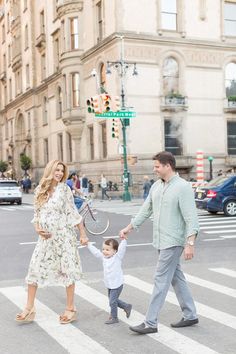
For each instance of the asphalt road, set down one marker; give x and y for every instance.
(211, 275)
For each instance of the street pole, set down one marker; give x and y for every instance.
(124, 122)
(210, 159)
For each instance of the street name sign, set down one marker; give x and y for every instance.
(118, 114)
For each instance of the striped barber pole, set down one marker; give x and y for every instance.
(200, 167)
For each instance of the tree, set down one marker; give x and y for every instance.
(25, 162)
(3, 167)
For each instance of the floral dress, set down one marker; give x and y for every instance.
(56, 261)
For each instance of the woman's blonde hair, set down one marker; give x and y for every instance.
(41, 195)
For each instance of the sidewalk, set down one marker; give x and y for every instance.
(29, 199)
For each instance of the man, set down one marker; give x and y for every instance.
(175, 227)
(71, 182)
(84, 184)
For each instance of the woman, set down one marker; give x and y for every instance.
(55, 260)
(103, 185)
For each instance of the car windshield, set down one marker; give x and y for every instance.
(8, 184)
(217, 181)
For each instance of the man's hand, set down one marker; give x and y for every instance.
(124, 232)
(83, 240)
(188, 252)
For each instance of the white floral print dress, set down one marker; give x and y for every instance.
(56, 261)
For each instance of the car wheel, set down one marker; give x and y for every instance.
(230, 208)
(19, 202)
(212, 212)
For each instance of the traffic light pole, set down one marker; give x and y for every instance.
(123, 66)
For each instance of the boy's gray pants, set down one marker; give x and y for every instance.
(115, 302)
(168, 272)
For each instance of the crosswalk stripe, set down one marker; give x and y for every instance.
(203, 310)
(68, 336)
(220, 232)
(215, 227)
(166, 336)
(227, 221)
(224, 271)
(8, 209)
(210, 285)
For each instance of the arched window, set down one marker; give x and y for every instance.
(230, 79)
(102, 76)
(75, 89)
(59, 102)
(170, 76)
(45, 111)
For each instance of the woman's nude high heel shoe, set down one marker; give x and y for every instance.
(68, 316)
(27, 315)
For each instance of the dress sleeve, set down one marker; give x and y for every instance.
(72, 214)
(35, 219)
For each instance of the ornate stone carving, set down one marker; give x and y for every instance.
(204, 58)
(67, 6)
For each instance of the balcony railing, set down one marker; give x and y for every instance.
(230, 104)
(41, 41)
(174, 102)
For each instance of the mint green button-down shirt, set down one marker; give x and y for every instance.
(174, 212)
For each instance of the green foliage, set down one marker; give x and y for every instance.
(25, 162)
(174, 95)
(3, 166)
(232, 98)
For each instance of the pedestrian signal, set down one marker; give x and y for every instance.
(116, 103)
(106, 103)
(115, 128)
(90, 105)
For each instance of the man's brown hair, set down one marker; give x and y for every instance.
(165, 157)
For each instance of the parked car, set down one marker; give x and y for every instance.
(10, 191)
(218, 195)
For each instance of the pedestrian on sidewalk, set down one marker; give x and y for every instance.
(103, 185)
(175, 225)
(146, 187)
(111, 256)
(55, 260)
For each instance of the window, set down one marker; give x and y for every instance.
(45, 151)
(26, 37)
(42, 22)
(69, 144)
(59, 102)
(3, 33)
(56, 53)
(6, 128)
(18, 82)
(99, 21)
(29, 121)
(27, 75)
(169, 14)
(9, 54)
(10, 90)
(91, 143)
(173, 136)
(230, 79)
(60, 146)
(45, 111)
(231, 137)
(4, 62)
(25, 5)
(102, 76)
(104, 140)
(5, 95)
(74, 33)
(43, 67)
(75, 89)
(170, 76)
(230, 19)
(8, 22)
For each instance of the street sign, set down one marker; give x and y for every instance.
(119, 114)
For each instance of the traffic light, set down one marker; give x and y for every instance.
(116, 103)
(106, 102)
(90, 105)
(97, 104)
(115, 128)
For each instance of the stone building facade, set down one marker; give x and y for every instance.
(184, 93)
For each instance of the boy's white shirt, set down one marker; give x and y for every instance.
(112, 271)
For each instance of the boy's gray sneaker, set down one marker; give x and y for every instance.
(112, 321)
(128, 310)
(143, 329)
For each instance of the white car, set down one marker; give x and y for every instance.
(10, 191)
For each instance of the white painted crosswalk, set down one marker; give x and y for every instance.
(74, 340)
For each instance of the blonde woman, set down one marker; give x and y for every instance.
(55, 260)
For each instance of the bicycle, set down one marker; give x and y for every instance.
(95, 221)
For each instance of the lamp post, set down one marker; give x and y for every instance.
(210, 159)
(122, 67)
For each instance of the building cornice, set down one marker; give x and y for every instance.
(68, 6)
(199, 44)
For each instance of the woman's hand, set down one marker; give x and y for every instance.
(83, 240)
(44, 234)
